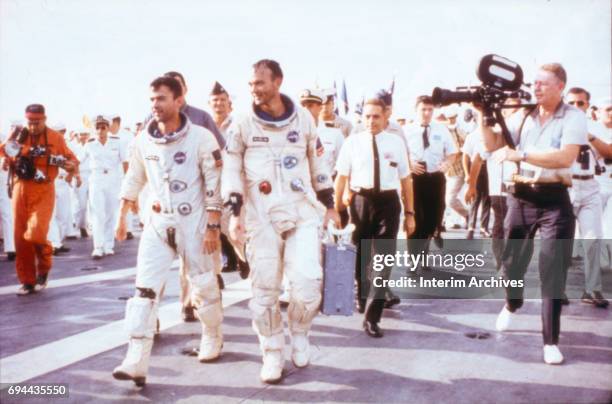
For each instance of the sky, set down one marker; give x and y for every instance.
(90, 57)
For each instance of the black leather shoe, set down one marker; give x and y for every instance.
(11, 256)
(84, 233)
(244, 269)
(392, 301)
(129, 235)
(372, 329)
(438, 240)
(564, 300)
(470, 235)
(596, 299)
(188, 314)
(62, 249)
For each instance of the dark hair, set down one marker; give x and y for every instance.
(580, 90)
(170, 82)
(117, 119)
(176, 75)
(424, 99)
(35, 109)
(385, 96)
(376, 102)
(270, 64)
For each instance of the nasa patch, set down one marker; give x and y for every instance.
(209, 193)
(289, 162)
(293, 136)
(321, 178)
(180, 157)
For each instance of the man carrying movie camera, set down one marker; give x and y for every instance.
(277, 147)
(35, 154)
(180, 163)
(547, 141)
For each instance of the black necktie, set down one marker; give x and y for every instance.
(425, 138)
(376, 166)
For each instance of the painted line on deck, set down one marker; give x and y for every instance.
(57, 354)
(82, 279)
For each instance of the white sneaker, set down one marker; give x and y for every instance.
(210, 347)
(300, 350)
(552, 355)
(109, 251)
(504, 319)
(97, 253)
(272, 369)
(136, 363)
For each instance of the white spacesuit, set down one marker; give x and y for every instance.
(283, 168)
(182, 172)
(105, 162)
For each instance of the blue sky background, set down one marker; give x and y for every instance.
(84, 56)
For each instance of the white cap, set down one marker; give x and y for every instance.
(59, 126)
(312, 94)
(604, 102)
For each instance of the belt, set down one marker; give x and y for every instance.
(374, 193)
(555, 186)
(582, 177)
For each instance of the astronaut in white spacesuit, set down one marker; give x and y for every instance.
(286, 184)
(181, 163)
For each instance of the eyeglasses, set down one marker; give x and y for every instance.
(577, 103)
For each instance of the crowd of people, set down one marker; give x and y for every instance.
(259, 187)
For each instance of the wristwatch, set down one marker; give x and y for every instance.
(523, 155)
(212, 226)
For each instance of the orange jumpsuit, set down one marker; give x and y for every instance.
(33, 204)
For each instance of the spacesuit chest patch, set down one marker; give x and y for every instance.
(177, 186)
(261, 139)
(184, 208)
(293, 136)
(180, 157)
(290, 161)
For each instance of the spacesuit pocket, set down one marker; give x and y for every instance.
(283, 217)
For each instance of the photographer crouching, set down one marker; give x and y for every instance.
(35, 153)
(547, 138)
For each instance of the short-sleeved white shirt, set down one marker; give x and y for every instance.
(356, 160)
(441, 144)
(568, 125)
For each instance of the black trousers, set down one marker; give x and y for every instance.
(482, 199)
(555, 221)
(374, 217)
(498, 203)
(429, 203)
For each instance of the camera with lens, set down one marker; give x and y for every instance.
(57, 160)
(24, 168)
(500, 79)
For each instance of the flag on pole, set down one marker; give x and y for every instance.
(335, 94)
(392, 86)
(344, 97)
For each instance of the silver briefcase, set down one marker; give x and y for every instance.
(338, 258)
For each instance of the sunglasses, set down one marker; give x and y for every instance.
(578, 103)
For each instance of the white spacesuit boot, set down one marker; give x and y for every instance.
(206, 297)
(140, 322)
(267, 323)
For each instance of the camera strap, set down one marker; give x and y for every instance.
(520, 131)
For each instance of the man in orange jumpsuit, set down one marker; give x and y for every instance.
(35, 154)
